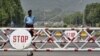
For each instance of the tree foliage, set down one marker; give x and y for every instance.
(92, 13)
(74, 19)
(10, 10)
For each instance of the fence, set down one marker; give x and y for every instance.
(55, 39)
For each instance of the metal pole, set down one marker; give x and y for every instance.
(83, 19)
(1, 19)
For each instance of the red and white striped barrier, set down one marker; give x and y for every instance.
(53, 50)
(70, 39)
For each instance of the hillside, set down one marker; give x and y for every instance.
(53, 9)
(66, 5)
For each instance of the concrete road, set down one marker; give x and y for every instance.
(51, 53)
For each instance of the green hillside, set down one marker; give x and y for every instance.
(10, 10)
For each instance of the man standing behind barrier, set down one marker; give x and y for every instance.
(29, 21)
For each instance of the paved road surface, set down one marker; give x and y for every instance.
(51, 53)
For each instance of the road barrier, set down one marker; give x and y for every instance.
(46, 39)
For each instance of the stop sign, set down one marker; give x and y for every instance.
(71, 34)
(20, 39)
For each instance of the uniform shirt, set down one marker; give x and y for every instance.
(29, 20)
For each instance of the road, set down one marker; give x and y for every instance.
(51, 53)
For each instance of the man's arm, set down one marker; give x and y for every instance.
(33, 20)
(25, 19)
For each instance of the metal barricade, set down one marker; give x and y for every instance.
(55, 39)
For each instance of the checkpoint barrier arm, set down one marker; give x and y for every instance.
(44, 41)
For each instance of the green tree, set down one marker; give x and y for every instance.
(92, 13)
(74, 19)
(11, 10)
